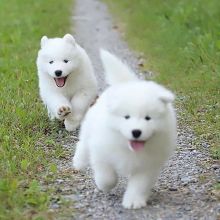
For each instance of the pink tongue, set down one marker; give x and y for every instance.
(60, 81)
(137, 145)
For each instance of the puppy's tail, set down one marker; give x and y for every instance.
(115, 70)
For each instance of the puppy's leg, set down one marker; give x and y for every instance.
(105, 176)
(138, 191)
(71, 123)
(58, 106)
(81, 157)
(80, 103)
(50, 114)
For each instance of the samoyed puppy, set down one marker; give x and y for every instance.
(66, 79)
(130, 131)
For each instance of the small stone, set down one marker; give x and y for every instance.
(186, 180)
(96, 190)
(82, 187)
(216, 166)
(55, 206)
(173, 189)
(216, 193)
(59, 181)
(59, 190)
(141, 62)
(194, 180)
(187, 208)
(72, 197)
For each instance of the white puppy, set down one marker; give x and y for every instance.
(130, 131)
(66, 79)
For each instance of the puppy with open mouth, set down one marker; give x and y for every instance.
(66, 79)
(129, 131)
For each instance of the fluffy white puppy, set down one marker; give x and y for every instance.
(66, 79)
(130, 131)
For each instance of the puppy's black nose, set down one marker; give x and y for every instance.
(58, 72)
(136, 133)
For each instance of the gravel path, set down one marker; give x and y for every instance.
(184, 189)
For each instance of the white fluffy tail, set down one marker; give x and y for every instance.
(115, 70)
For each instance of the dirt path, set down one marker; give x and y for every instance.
(183, 190)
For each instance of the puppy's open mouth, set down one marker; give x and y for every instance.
(60, 82)
(136, 145)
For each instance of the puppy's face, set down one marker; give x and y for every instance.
(138, 110)
(58, 57)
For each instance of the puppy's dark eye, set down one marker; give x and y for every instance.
(147, 118)
(127, 116)
(51, 62)
(65, 61)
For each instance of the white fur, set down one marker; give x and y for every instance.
(105, 133)
(116, 65)
(71, 101)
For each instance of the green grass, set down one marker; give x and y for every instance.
(25, 132)
(181, 44)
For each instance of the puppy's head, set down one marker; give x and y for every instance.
(138, 110)
(58, 57)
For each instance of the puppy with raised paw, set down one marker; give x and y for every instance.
(66, 79)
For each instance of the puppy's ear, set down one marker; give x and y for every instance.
(163, 94)
(167, 96)
(43, 41)
(115, 70)
(112, 99)
(70, 39)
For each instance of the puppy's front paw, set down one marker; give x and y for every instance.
(133, 202)
(71, 124)
(63, 111)
(105, 181)
(79, 164)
